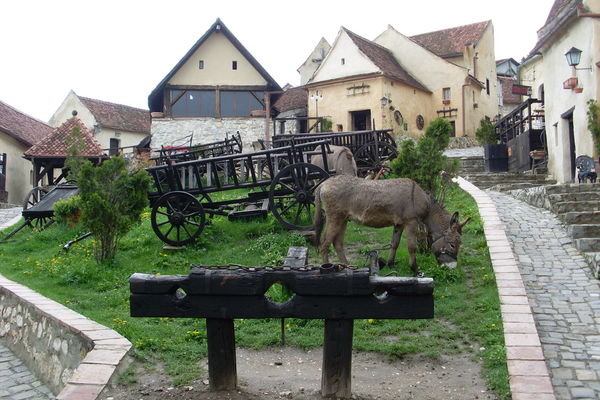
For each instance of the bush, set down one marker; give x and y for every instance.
(486, 134)
(67, 211)
(425, 162)
(111, 201)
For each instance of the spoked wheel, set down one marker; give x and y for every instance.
(374, 156)
(291, 197)
(39, 224)
(177, 218)
(34, 196)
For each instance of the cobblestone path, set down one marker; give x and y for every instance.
(563, 295)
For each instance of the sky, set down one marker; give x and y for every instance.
(118, 51)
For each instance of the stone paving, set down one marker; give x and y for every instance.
(9, 216)
(563, 295)
(17, 382)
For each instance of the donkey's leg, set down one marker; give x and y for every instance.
(395, 243)
(411, 241)
(338, 242)
(331, 230)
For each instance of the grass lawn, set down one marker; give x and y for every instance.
(467, 311)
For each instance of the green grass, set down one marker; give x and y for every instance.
(467, 312)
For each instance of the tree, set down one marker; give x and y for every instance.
(486, 133)
(424, 161)
(111, 202)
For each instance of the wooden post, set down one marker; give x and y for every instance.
(336, 377)
(222, 371)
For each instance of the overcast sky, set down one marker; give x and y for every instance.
(119, 51)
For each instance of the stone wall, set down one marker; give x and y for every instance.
(40, 341)
(71, 354)
(169, 132)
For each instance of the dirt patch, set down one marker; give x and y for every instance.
(281, 373)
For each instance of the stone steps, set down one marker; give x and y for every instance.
(588, 245)
(506, 180)
(581, 217)
(572, 206)
(579, 231)
(574, 196)
(578, 207)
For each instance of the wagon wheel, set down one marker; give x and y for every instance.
(34, 196)
(177, 218)
(374, 156)
(41, 223)
(291, 196)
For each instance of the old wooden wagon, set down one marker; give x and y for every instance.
(38, 207)
(230, 145)
(280, 180)
(372, 150)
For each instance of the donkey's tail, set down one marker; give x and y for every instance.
(318, 219)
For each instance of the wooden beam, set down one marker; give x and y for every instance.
(336, 375)
(220, 338)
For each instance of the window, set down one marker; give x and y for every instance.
(240, 103)
(487, 86)
(201, 64)
(446, 93)
(234, 65)
(343, 61)
(192, 103)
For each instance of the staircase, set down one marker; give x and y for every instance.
(578, 207)
(473, 170)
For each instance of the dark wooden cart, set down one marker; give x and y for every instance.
(281, 180)
(38, 207)
(372, 150)
(230, 145)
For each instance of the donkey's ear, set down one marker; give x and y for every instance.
(465, 222)
(454, 219)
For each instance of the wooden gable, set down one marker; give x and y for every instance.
(217, 59)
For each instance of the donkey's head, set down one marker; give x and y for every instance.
(446, 244)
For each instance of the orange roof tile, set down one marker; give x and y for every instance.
(58, 143)
(21, 126)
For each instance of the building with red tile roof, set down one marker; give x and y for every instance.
(116, 127)
(49, 154)
(403, 83)
(18, 132)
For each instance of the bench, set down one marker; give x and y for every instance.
(586, 169)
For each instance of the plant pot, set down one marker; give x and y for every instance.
(578, 90)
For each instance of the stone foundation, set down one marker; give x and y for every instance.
(173, 132)
(73, 356)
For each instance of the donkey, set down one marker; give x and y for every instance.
(393, 202)
(339, 159)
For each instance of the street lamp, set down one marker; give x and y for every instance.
(316, 96)
(574, 57)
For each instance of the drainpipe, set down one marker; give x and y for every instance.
(267, 117)
(463, 108)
